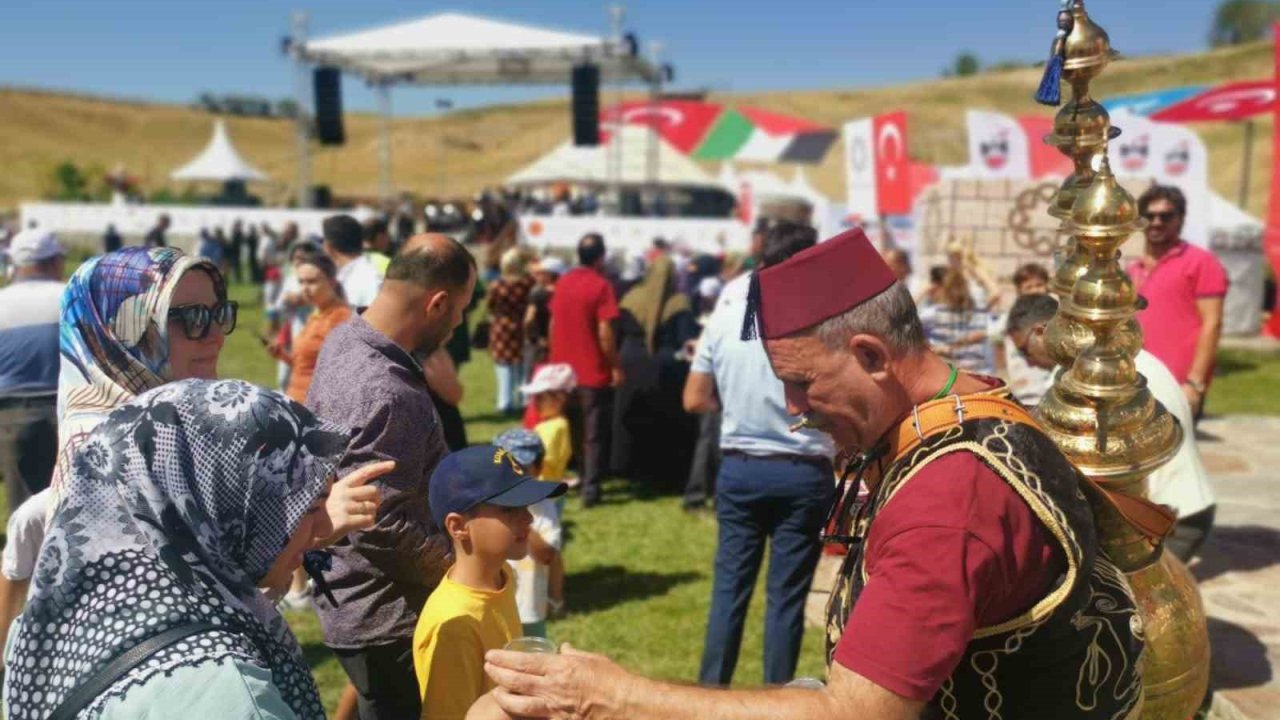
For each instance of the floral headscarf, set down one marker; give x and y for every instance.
(177, 506)
(115, 336)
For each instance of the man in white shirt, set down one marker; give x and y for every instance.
(344, 242)
(1182, 483)
(774, 485)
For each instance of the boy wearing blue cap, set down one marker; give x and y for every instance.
(480, 498)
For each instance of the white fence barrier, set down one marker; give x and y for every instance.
(185, 220)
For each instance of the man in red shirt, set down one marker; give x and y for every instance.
(974, 586)
(1184, 287)
(583, 309)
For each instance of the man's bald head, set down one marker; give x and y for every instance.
(432, 261)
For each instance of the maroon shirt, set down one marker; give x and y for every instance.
(955, 550)
(583, 299)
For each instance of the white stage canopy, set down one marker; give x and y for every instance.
(457, 49)
(590, 165)
(219, 161)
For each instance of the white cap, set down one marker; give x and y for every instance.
(557, 377)
(33, 246)
(552, 264)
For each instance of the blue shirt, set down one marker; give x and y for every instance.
(754, 416)
(29, 359)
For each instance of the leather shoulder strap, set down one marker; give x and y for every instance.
(1152, 520)
(121, 665)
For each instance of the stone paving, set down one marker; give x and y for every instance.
(1238, 569)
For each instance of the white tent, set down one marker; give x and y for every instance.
(590, 165)
(219, 161)
(456, 49)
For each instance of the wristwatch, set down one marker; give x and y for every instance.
(1196, 385)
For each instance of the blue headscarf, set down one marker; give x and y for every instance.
(114, 336)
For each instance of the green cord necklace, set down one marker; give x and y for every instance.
(955, 372)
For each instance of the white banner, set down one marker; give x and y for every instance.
(997, 147)
(1168, 154)
(636, 234)
(860, 169)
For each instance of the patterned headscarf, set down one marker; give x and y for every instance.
(177, 506)
(115, 336)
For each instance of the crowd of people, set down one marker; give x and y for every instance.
(161, 515)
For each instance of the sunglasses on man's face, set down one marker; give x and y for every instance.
(1165, 217)
(198, 319)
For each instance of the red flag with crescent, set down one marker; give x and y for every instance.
(893, 177)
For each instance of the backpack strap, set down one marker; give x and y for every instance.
(1152, 520)
(86, 691)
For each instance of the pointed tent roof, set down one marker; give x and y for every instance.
(218, 161)
(590, 165)
(458, 49)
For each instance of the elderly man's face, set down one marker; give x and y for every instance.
(830, 388)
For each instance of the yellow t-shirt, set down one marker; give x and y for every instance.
(457, 625)
(555, 438)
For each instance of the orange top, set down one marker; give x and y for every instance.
(306, 348)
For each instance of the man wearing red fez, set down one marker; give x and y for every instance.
(974, 586)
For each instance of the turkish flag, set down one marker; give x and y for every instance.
(893, 177)
(1233, 101)
(683, 123)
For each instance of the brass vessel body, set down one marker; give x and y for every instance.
(1099, 411)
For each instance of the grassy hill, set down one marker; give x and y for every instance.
(480, 147)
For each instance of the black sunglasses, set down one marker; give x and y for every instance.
(1167, 216)
(197, 319)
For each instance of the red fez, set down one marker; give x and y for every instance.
(816, 284)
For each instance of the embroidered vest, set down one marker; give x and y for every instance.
(1077, 652)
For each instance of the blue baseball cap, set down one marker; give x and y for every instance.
(484, 474)
(525, 445)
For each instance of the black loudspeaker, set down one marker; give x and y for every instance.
(328, 94)
(586, 105)
(321, 197)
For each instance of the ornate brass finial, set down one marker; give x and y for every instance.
(1099, 411)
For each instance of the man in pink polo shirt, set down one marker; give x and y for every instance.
(1184, 287)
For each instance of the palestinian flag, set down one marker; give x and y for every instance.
(709, 131)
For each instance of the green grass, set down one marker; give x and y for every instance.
(1246, 382)
(639, 569)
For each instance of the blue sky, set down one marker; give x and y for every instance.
(172, 50)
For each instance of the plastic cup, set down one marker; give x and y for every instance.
(528, 644)
(807, 683)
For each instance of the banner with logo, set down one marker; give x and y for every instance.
(1155, 152)
(860, 169)
(877, 168)
(998, 147)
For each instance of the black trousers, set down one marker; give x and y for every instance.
(596, 407)
(1189, 533)
(384, 679)
(28, 445)
(706, 462)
